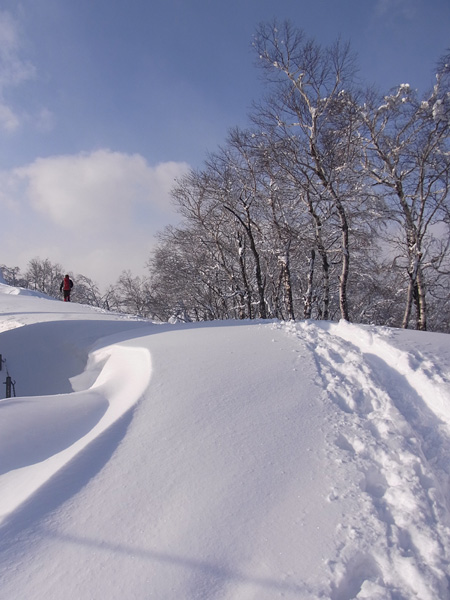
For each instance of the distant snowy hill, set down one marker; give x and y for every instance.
(220, 460)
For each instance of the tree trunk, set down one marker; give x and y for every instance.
(343, 279)
(408, 305)
(258, 274)
(286, 271)
(247, 291)
(326, 284)
(309, 292)
(416, 287)
(421, 321)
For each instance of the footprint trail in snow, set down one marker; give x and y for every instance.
(394, 458)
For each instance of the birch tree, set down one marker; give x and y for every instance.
(311, 95)
(407, 156)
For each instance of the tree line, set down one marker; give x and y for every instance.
(333, 203)
(128, 295)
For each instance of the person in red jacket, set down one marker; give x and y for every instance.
(66, 287)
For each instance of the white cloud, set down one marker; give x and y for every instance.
(95, 213)
(98, 191)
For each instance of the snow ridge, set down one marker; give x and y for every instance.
(29, 461)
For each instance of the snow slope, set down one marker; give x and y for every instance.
(225, 460)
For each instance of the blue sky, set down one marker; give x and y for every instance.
(104, 103)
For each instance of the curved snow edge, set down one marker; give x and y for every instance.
(124, 377)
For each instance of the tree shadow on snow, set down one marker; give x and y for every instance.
(65, 484)
(214, 572)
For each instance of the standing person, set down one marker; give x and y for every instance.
(66, 287)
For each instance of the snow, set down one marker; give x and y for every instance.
(438, 110)
(220, 460)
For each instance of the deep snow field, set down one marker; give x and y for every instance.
(220, 461)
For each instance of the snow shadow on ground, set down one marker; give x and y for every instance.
(43, 357)
(218, 575)
(67, 482)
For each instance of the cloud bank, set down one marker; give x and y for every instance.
(95, 213)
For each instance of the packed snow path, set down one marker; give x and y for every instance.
(222, 460)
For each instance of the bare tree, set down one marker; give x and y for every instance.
(133, 294)
(87, 292)
(407, 156)
(287, 217)
(276, 211)
(13, 276)
(45, 276)
(237, 191)
(214, 237)
(313, 108)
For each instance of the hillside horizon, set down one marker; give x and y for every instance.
(220, 460)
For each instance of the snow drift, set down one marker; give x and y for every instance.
(225, 460)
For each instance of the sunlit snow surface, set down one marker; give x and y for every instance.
(225, 460)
